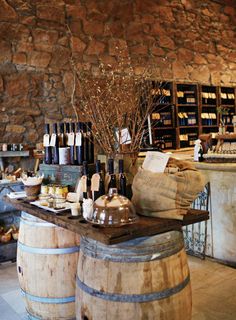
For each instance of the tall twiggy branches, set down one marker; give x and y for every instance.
(115, 101)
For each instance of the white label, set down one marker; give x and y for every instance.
(155, 161)
(71, 139)
(53, 140)
(46, 140)
(78, 190)
(123, 136)
(64, 155)
(84, 183)
(95, 181)
(78, 139)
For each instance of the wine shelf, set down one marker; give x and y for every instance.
(191, 109)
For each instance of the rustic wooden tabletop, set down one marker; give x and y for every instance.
(144, 226)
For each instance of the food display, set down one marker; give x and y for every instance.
(53, 196)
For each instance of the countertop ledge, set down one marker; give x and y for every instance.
(226, 166)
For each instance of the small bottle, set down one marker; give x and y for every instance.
(55, 145)
(200, 154)
(87, 194)
(197, 149)
(80, 143)
(112, 183)
(101, 190)
(122, 179)
(47, 147)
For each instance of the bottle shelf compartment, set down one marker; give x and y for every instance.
(207, 126)
(188, 127)
(163, 128)
(228, 105)
(209, 105)
(187, 105)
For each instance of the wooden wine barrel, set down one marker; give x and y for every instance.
(47, 258)
(146, 278)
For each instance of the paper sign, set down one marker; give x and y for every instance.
(155, 161)
(78, 139)
(123, 136)
(46, 140)
(53, 140)
(71, 139)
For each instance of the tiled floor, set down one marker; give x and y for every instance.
(213, 286)
(214, 290)
(11, 303)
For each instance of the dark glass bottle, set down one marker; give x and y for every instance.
(122, 179)
(101, 190)
(90, 151)
(80, 148)
(55, 148)
(86, 142)
(72, 147)
(67, 133)
(61, 135)
(112, 183)
(87, 195)
(47, 149)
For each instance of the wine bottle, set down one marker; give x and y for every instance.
(122, 179)
(72, 144)
(86, 142)
(61, 135)
(90, 151)
(112, 182)
(47, 147)
(67, 133)
(101, 187)
(79, 142)
(55, 145)
(87, 193)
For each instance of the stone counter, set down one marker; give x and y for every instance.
(222, 178)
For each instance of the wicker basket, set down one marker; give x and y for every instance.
(32, 192)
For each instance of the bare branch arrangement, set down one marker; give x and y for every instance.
(117, 106)
(117, 102)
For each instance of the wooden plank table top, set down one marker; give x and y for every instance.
(145, 226)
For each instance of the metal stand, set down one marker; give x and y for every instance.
(195, 235)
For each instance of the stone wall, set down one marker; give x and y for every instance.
(185, 40)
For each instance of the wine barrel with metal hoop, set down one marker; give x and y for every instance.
(146, 278)
(47, 258)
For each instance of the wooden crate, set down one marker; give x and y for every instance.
(64, 174)
(8, 251)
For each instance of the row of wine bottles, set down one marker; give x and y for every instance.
(75, 136)
(95, 188)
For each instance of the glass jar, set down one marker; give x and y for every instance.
(59, 203)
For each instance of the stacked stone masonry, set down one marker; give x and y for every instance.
(184, 40)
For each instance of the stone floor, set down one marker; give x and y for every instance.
(213, 286)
